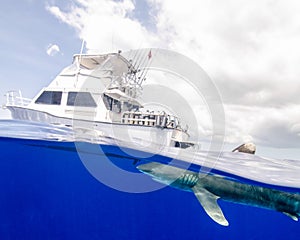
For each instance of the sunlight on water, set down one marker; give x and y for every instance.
(34, 130)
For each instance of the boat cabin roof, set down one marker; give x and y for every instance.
(91, 62)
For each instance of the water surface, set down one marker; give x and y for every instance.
(47, 193)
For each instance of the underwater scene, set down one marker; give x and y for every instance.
(57, 186)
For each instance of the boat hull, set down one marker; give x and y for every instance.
(144, 136)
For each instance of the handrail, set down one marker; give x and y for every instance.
(150, 119)
(14, 98)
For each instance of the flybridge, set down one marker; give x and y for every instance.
(92, 61)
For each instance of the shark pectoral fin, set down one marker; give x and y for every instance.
(209, 202)
(295, 218)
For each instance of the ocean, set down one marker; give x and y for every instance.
(48, 191)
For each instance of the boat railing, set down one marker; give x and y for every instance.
(160, 119)
(14, 98)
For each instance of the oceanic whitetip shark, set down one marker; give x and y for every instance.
(209, 188)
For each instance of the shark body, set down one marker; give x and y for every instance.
(209, 188)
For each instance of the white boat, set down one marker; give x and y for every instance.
(102, 93)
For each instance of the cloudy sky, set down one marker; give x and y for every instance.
(250, 49)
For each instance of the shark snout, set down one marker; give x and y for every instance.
(149, 168)
(145, 168)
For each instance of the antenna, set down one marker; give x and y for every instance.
(135, 61)
(146, 68)
(81, 49)
(78, 62)
(148, 56)
(138, 59)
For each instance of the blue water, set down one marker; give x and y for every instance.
(48, 193)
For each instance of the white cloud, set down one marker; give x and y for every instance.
(269, 126)
(106, 25)
(249, 48)
(253, 45)
(52, 50)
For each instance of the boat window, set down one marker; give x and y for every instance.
(49, 97)
(81, 99)
(130, 107)
(135, 108)
(108, 102)
(127, 106)
(112, 104)
(116, 106)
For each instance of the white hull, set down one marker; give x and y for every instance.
(144, 136)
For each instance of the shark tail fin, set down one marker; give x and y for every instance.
(209, 203)
(294, 217)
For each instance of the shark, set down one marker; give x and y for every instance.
(208, 188)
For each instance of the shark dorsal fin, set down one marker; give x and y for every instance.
(209, 202)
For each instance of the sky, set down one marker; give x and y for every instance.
(250, 49)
